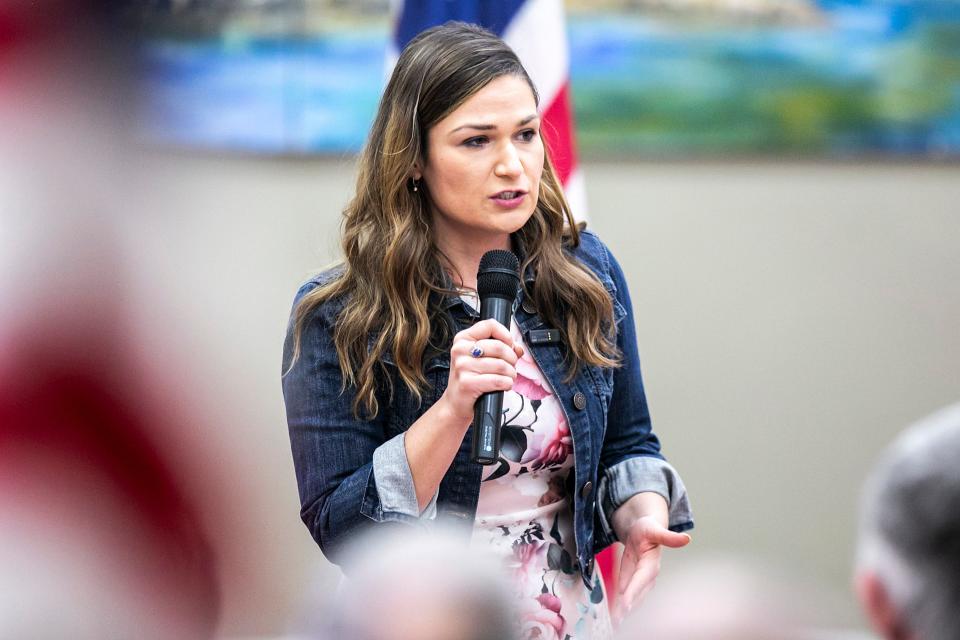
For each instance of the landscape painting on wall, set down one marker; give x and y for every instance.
(650, 78)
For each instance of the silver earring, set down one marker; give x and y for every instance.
(416, 185)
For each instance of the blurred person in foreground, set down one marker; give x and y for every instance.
(101, 532)
(419, 587)
(728, 598)
(908, 557)
(385, 359)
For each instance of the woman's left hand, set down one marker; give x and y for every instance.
(640, 563)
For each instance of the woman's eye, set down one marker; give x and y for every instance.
(527, 135)
(476, 141)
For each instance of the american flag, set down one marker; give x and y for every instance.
(536, 30)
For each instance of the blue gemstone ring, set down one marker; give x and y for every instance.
(476, 352)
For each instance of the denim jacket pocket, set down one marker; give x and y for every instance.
(619, 312)
(602, 378)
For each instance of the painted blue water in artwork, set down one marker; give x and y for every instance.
(867, 77)
(289, 96)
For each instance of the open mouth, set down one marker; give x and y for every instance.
(509, 195)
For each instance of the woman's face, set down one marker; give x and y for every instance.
(483, 167)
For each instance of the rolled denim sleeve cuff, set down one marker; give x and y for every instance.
(641, 474)
(395, 488)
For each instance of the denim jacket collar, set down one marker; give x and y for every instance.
(529, 279)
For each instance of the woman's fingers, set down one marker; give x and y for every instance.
(624, 606)
(485, 383)
(489, 328)
(616, 615)
(628, 565)
(489, 348)
(492, 338)
(640, 565)
(643, 577)
(483, 359)
(637, 577)
(468, 365)
(667, 538)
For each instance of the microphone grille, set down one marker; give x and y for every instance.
(498, 275)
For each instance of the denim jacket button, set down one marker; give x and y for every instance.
(586, 489)
(579, 401)
(528, 306)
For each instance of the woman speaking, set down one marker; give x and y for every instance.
(385, 357)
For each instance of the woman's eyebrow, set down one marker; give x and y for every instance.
(489, 127)
(479, 127)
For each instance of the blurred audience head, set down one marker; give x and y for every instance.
(725, 598)
(418, 585)
(908, 560)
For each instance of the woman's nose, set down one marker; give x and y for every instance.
(508, 164)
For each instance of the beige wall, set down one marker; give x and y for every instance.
(791, 319)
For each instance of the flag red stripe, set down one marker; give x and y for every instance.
(609, 565)
(557, 131)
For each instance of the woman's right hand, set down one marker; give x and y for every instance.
(471, 377)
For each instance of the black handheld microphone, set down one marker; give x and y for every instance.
(498, 280)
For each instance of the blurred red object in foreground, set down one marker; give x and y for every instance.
(84, 476)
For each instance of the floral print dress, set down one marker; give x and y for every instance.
(524, 515)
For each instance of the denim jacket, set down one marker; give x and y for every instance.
(353, 472)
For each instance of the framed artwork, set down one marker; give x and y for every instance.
(650, 78)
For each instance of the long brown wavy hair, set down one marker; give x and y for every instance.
(393, 273)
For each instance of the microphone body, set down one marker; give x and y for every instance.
(498, 281)
(488, 412)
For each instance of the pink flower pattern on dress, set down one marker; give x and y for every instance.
(551, 444)
(529, 382)
(526, 558)
(545, 623)
(538, 546)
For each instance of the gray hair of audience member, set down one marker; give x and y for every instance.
(910, 526)
(415, 584)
